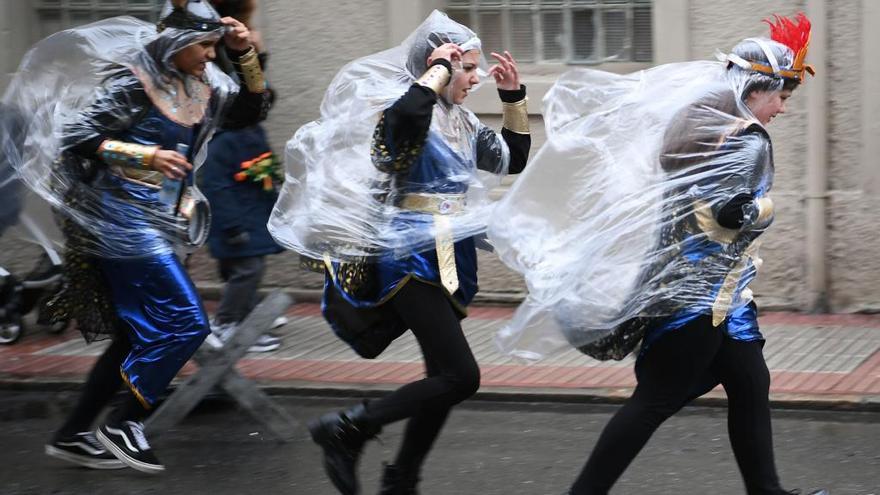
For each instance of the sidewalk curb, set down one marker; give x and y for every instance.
(797, 402)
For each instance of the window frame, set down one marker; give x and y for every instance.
(567, 9)
(95, 10)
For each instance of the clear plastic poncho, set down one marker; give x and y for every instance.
(613, 223)
(74, 86)
(338, 202)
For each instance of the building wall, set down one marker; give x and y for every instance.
(309, 43)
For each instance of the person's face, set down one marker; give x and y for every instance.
(193, 59)
(465, 77)
(767, 104)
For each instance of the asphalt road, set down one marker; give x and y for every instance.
(487, 448)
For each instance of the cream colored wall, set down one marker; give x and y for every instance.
(309, 42)
(15, 36)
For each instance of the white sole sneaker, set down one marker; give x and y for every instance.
(127, 459)
(84, 461)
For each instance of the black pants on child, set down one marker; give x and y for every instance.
(678, 367)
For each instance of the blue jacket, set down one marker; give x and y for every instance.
(239, 210)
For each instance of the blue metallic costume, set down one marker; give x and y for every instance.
(155, 300)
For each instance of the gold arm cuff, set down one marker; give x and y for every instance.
(130, 155)
(436, 78)
(765, 209)
(251, 72)
(516, 116)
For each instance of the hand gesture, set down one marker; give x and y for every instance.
(171, 163)
(448, 51)
(238, 36)
(505, 72)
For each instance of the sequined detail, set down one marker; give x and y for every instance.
(251, 72)
(119, 153)
(398, 162)
(183, 101)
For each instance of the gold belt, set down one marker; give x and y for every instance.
(437, 204)
(149, 178)
(440, 206)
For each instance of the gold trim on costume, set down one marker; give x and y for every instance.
(724, 299)
(440, 206)
(788, 73)
(765, 209)
(437, 204)
(445, 245)
(136, 392)
(147, 178)
(707, 223)
(436, 78)
(516, 116)
(251, 72)
(129, 155)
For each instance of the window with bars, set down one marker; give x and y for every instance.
(566, 31)
(55, 15)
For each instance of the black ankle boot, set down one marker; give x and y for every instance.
(397, 482)
(342, 436)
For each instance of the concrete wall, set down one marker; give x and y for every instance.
(15, 36)
(309, 42)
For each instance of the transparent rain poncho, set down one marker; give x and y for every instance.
(613, 224)
(339, 203)
(74, 86)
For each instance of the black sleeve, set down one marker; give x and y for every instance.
(731, 215)
(488, 152)
(408, 120)
(247, 108)
(120, 104)
(402, 130)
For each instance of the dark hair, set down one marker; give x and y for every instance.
(769, 83)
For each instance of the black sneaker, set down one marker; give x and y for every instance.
(128, 443)
(83, 449)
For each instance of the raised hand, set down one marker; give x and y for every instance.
(449, 51)
(505, 72)
(238, 36)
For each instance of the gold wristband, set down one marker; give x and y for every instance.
(127, 154)
(436, 78)
(765, 209)
(251, 71)
(516, 116)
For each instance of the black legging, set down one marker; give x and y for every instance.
(676, 368)
(452, 373)
(103, 382)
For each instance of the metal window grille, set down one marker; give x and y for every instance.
(55, 15)
(567, 31)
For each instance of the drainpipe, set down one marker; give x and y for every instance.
(817, 161)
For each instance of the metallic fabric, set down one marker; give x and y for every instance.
(124, 154)
(251, 72)
(162, 315)
(436, 78)
(516, 116)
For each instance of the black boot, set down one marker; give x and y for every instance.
(342, 436)
(396, 482)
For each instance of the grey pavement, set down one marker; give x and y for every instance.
(486, 448)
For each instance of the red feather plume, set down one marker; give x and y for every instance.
(791, 34)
